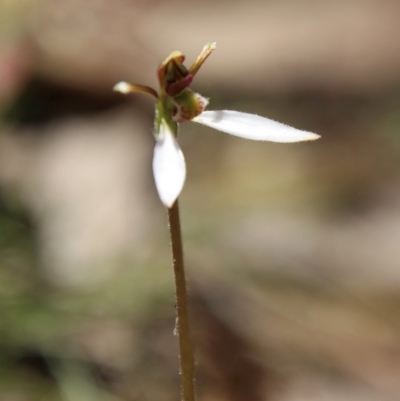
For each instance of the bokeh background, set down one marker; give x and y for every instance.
(293, 251)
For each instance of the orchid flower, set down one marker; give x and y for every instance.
(177, 103)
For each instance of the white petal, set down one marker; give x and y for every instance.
(251, 126)
(122, 87)
(168, 166)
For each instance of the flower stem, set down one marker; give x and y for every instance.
(182, 321)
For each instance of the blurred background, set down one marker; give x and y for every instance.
(292, 251)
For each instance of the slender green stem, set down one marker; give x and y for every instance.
(182, 321)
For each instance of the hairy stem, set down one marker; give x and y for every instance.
(182, 321)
